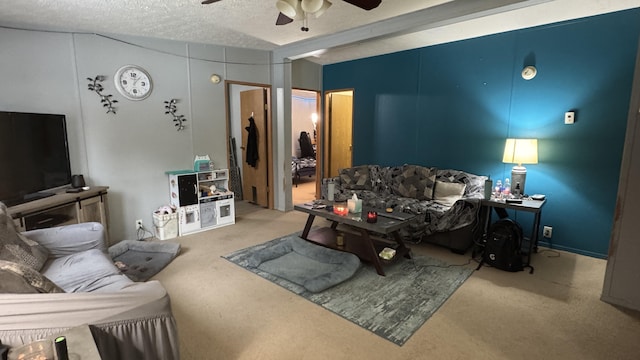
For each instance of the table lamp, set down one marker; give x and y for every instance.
(520, 151)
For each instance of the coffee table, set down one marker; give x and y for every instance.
(362, 244)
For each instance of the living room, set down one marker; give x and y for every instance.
(129, 151)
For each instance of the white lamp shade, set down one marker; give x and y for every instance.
(311, 6)
(521, 151)
(288, 7)
(325, 5)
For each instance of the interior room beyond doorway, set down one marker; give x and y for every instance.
(304, 127)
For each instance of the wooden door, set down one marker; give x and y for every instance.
(339, 132)
(255, 180)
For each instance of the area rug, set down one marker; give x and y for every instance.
(392, 306)
(140, 260)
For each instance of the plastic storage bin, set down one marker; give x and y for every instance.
(165, 225)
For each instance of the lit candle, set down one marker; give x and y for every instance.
(340, 209)
(372, 216)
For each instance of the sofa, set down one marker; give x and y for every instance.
(446, 202)
(58, 278)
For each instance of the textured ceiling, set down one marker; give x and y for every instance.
(343, 32)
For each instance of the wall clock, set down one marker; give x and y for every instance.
(529, 72)
(133, 82)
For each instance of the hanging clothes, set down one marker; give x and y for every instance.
(252, 143)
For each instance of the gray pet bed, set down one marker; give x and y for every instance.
(140, 260)
(311, 266)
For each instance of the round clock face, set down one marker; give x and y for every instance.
(133, 82)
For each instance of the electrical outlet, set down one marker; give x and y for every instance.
(547, 231)
(138, 224)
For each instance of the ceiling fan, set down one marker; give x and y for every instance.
(299, 9)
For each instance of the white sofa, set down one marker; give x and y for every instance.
(129, 320)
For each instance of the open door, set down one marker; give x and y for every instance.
(255, 143)
(305, 107)
(338, 131)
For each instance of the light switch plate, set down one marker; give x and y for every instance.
(569, 117)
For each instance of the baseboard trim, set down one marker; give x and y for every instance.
(573, 250)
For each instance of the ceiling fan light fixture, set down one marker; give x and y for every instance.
(325, 5)
(288, 7)
(311, 6)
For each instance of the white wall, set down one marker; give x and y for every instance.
(306, 75)
(38, 73)
(131, 150)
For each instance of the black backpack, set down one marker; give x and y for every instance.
(502, 248)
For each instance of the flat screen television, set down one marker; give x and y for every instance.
(34, 156)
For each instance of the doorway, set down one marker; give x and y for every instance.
(338, 132)
(248, 109)
(304, 145)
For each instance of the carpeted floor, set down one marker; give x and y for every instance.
(224, 312)
(392, 306)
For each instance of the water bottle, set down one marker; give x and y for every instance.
(498, 189)
(507, 187)
(331, 189)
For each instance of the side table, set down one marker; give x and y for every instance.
(80, 345)
(532, 206)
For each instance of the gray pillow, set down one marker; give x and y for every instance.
(355, 178)
(18, 248)
(415, 182)
(17, 278)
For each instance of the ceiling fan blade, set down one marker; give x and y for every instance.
(365, 4)
(283, 19)
(206, 2)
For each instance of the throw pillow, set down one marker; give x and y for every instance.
(17, 278)
(415, 182)
(356, 178)
(447, 193)
(18, 248)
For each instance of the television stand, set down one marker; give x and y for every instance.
(62, 208)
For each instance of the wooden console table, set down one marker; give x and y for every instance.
(63, 208)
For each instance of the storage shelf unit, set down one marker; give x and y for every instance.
(202, 198)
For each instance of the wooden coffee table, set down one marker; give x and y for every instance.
(362, 244)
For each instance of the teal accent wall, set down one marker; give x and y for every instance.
(453, 105)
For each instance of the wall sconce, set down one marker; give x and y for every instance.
(520, 151)
(529, 72)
